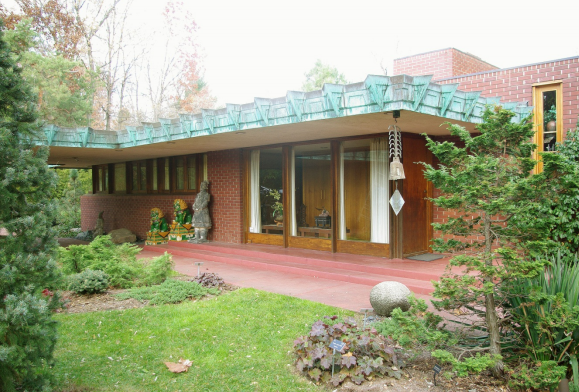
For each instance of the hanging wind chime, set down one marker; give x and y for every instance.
(395, 142)
(396, 168)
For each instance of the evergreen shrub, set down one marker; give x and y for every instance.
(119, 262)
(89, 282)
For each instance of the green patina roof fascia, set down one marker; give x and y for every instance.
(376, 94)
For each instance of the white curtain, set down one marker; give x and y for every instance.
(379, 229)
(342, 226)
(294, 222)
(254, 200)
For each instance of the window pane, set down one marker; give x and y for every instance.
(549, 120)
(106, 182)
(120, 177)
(356, 190)
(271, 192)
(100, 180)
(143, 181)
(313, 193)
(191, 173)
(179, 174)
(167, 178)
(135, 176)
(154, 174)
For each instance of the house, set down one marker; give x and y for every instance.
(315, 151)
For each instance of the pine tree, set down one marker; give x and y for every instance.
(27, 331)
(487, 183)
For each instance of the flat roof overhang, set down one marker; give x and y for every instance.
(359, 125)
(336, 111)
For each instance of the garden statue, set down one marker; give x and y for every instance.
(181, 228)
(99, 229)
(159, 232)
(201, 218)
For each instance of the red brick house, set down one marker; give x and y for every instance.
(321, 150)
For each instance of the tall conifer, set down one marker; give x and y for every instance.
(27, 331)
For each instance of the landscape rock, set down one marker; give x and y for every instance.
(120, 236)
(389, 295)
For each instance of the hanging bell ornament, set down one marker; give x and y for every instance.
(396, 169)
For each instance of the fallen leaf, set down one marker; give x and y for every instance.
(176, 367)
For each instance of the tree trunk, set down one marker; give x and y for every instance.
(491, 316)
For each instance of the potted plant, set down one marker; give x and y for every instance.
(277, 207)
(550, 119)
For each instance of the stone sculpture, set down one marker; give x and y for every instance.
(100, 226)
(181, 228)
(389, 295)
(201, 218)
(159, 231)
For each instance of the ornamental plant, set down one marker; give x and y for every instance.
(496, 225)
(366, 353)
(27, 267)
(209, 279)
(561, 204)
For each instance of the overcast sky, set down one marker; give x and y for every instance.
(256, 48)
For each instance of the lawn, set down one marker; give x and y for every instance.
(239, 341)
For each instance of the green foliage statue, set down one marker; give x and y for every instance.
(27, 266)
(486, 183)
(181, 227)
(158, 222)
(159, 231)
(182, 213)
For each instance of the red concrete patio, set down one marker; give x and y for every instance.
(337, 279)
(340, 280)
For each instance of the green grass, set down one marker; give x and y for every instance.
(240, 341)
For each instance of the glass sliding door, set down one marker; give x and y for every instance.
(355, 196)
(266, 195)
(271, 191)
(363, 197)
(312, 194)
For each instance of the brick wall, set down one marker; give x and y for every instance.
(225, 171)
(442, 64)
(516, 84)
(132, 211)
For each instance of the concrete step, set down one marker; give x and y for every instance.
(305, 266)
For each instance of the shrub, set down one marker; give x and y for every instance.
(562, 203)
(546, 311)
(365, 354)
(545, 374)
(470, 365)
(158, 269)
(89, 282)
(209, 279)
(415, 327)
(169, 292)
(119, 262)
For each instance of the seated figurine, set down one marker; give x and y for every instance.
(158, 222)
(182, 213)
(181, 228)
(159, 231)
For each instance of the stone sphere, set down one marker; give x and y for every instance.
(389, 295)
